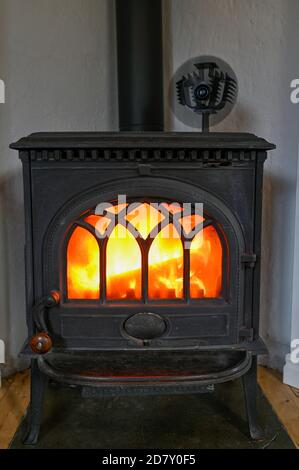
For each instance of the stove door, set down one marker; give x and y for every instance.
(144, 262)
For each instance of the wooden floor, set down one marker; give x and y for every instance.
(284, 400)
(14, 399)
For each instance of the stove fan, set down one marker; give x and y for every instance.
(206, 86)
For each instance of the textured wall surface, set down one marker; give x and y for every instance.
(57, 58)
(259, 39)
(58, 63)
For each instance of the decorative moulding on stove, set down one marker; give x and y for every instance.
(149, 140)
(215, 148)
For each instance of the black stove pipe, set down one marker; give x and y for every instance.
(140, 65)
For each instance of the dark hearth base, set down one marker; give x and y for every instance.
(211, 421)
(142, 365)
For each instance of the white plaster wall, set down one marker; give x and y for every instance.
(259, 39)
(58, 63)
(291, 368)
(57, 58)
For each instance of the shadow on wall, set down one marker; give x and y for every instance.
(12, 292)
(280, 198)
(12, 269)
(272, 236)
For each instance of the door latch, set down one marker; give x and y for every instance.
(249, 260)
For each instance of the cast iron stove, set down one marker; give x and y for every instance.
(124, 309)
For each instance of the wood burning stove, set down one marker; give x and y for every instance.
(142, 313)
(113, 303)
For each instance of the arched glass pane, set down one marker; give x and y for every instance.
(166, 265)
(83, 261)
(99, 222)
(144, 218)
(123, 267)
(189, 222)
(116, 209)
(206, 264)
(173, 207)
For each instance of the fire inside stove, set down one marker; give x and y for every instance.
(143, 252)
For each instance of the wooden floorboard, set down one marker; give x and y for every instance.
(284, 401)
(5, 386)
(14, 399)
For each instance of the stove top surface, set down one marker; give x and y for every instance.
(212, 140)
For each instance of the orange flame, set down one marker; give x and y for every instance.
(123, 267)
(206, 264)
(166, 263)
(123, 262)
(83, 263)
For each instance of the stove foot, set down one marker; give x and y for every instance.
(250, 392)
(38, 383)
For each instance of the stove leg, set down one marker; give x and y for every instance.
(38, 383)
(250, 392)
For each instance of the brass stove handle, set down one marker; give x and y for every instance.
(41, 342)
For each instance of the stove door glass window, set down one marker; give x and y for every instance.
(145, 252)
